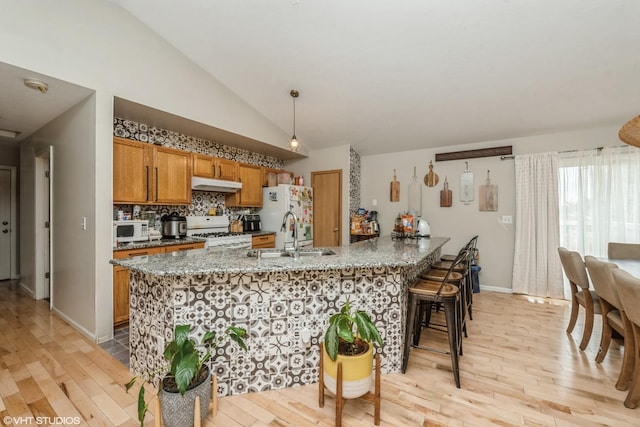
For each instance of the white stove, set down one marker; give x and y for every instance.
(216, 230)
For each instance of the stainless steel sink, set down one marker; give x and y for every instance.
(317, 252)
(280, 253)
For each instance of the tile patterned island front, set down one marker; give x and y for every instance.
(274, 299)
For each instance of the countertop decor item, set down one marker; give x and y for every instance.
(466, 185)
(445, 195)
(431, 178)
(395, 189)
(488, 195)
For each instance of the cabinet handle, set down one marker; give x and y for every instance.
(219, 171)
(214, 170)
(139, 254)
(147, 185)
(156, 184)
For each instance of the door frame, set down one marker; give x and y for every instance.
(44, 241)
(13, 211)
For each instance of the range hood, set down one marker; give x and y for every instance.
(217, 185)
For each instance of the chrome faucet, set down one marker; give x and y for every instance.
(296, 252)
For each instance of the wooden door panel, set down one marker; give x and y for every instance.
(130, 171)
(172, 176)
(327, 208)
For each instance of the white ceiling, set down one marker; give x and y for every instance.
(26, 110)
(399, 75)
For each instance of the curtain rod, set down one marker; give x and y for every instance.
(559, 152)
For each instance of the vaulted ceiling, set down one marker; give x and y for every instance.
(399, 75)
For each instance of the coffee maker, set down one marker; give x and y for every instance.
(373, 222)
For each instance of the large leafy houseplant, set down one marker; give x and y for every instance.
(345, 327)
(185, 364)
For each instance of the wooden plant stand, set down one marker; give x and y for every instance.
(340, 401)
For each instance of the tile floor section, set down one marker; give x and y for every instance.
(118, 347)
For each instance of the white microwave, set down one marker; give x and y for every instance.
(131, 231)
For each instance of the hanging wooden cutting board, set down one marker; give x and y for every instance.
(630, 132)
(431, 178)
(488, 196)
(446, 197)
(395, 189)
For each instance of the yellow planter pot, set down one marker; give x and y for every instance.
(357, 374)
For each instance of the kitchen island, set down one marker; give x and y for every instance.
(278, 300)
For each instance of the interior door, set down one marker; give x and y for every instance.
(327, 208)
(6, 227)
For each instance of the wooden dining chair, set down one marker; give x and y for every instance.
(623, 250)
(601, 274)
(581, 295)
(628, 288)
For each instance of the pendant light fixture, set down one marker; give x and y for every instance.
(294, 144)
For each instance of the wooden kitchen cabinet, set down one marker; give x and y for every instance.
(131, 167)
(172, 169)
(214, 167)
(263, 241)
(251, 193)
(121, 283)
(185, 247)
(148, 174)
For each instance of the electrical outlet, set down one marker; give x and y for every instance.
(161, 345)
(507, 219)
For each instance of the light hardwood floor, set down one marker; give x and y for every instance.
(519, 368)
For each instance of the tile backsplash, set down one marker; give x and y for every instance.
(201, 201)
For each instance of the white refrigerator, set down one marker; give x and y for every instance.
(276, 201)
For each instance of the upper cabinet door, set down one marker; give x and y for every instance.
(214, 167)
(227, 169)
(172, 176)
(131, 171)
(203, 166)
(251, 193)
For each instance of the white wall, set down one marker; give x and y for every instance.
(327, 159)
(9, 154)
(96, 44)
(72, 136)
(461, 222)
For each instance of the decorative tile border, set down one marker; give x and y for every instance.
(354, 181)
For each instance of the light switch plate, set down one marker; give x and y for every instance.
(507, 219)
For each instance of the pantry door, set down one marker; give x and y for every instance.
(327, 208)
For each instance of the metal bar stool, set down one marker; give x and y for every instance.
(466, 287)
(424, 291)
(456, 279)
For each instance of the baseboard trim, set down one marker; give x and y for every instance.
(75, 325)
(496, 289)
(26, 290)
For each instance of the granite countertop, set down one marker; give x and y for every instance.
(377, 252)
(259, 233)
(157, 243)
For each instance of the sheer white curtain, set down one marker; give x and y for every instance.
(536, 266)
(599, 199)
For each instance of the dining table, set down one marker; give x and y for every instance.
(631, 266)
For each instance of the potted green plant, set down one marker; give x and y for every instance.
(349, 339)
(186, 375)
